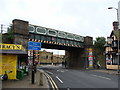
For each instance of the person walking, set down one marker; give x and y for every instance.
(98, 65)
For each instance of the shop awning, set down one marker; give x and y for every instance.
(12, 52)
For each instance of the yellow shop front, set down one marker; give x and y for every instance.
(8, 59)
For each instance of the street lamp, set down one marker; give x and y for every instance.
(118, 32)
(117, 13)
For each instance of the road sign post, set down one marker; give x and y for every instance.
(33, 46)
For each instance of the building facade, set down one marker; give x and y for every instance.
(112, 48)
(44, 57)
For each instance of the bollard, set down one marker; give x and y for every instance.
(40, 77)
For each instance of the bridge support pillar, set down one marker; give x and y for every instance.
(21, 32)
(79, 58)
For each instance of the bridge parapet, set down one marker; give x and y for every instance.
(54, 33)
(52, 36)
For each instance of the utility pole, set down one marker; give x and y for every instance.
(33, 68)
(1, 28)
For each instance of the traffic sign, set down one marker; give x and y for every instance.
(34, 45)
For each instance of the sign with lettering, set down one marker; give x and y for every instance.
(10, 47)
(34, 45)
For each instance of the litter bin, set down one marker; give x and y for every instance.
(20, 74)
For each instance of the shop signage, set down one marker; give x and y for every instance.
(10, 47)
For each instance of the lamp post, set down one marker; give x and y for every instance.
(117, 13)
(118, 32)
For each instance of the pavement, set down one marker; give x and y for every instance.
(113, 72)
(26, 83)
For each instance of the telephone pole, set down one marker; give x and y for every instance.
(1, 28)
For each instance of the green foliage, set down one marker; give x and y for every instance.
(10, 33)
(99, 50)
(8, 37)
(99, 43)
(0, 38)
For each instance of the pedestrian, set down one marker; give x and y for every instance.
(98, 65)
(62, 63)
(65, 63)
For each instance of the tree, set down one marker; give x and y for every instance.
(99, 50)
(10, 34)
(8, 37)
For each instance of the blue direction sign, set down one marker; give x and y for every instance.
(34, 46)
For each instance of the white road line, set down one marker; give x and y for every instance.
(101, 77)
(62, 71)
(68, 88)
(49, 72)
(59, 79)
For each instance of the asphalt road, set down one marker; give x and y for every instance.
(69, 78)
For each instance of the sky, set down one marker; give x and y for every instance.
(82, 17)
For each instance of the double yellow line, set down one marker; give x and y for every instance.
(53, 84)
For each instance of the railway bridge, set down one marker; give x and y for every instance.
(78, 49)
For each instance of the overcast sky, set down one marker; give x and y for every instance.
(82, 17)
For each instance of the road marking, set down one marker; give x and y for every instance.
(59, 79)
(49, 80)
(62, 71)
(101, 77)
(54, 86)
(68, 88)
(51, 83)
(49, 72)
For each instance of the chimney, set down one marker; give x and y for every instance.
(115, 25)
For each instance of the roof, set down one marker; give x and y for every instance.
(106, 45)
(116, 33)
(12, 52)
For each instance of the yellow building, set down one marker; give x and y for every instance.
(9, 58)
(58, 58)
(44, 57)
